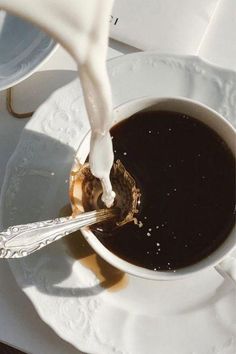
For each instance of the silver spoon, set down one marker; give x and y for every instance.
(21, 240)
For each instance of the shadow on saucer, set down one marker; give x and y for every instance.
(36, 188)
(31, 93)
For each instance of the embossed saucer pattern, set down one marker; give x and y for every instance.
(90, 305)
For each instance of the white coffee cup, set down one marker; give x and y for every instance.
(220, 258)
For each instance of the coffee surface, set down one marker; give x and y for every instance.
(186, 175)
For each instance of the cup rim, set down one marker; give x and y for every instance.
(210, 261)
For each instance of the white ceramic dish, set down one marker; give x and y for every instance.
(23, 47)
(195, 315)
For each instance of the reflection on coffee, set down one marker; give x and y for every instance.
(186, 175)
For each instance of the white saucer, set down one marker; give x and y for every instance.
(190, 316)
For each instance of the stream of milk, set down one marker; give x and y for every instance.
(82, 27)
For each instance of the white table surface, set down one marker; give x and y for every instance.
(20, 325)
(219, 44)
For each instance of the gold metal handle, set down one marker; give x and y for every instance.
(10, 109)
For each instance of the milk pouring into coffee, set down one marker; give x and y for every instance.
(81, 27)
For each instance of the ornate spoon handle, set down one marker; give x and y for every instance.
(22, 240)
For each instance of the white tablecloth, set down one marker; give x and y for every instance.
(20, 325)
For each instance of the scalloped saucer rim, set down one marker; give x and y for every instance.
(82, 310)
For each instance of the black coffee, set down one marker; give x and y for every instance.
(186, 174)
